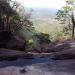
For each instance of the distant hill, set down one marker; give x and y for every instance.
(43, 13)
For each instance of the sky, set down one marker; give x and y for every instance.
(42, 3)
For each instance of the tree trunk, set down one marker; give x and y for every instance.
(73, 31)
(7, 27)
(73, 22)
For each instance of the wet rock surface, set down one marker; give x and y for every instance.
(47, 67)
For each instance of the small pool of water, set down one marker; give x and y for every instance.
(24, 62)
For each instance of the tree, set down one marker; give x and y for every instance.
(66, 15)
(6, 14)
(13, 19)
(61, 16)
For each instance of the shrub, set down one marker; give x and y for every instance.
(43, 38)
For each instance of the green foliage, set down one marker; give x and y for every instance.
(60, 35)
(61, 15)
(43, 38)
(66, 14)
(70, 2)
(13, 15)
(13, 18)
(56, 30)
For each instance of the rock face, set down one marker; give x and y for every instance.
(8, 54)
(4, 38)
(16, 43)
(65, 53)
(10, 41)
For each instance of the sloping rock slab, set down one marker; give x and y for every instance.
(7, 54)
(66, 54)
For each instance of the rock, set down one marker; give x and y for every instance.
(23, 70)
(11, 41)
(16, 43)
(4, 38)
(59, 47)
(65, 54)
(7, 54)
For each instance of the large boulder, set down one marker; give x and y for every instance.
(11, 41)
(16, 43)
(4, 38)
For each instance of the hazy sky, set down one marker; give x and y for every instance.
(42, 3)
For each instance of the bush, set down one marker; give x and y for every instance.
(66, 30)
(43, 38)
